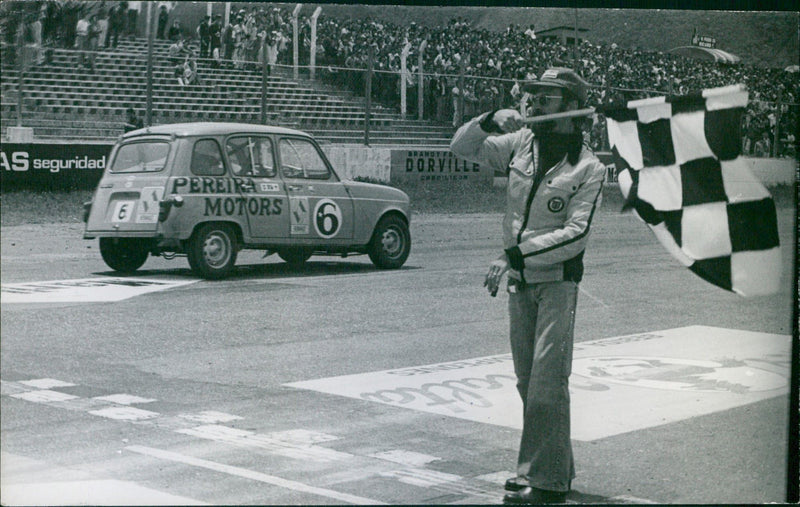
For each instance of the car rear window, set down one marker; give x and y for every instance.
(149, 156)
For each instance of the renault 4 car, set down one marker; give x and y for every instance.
(208, 190)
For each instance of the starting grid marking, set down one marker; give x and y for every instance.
(400, 465)
(618, 384)
(85, 290)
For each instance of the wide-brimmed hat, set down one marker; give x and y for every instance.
(560, 77)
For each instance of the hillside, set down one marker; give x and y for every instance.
(760, 38)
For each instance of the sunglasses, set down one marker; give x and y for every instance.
(544, 99)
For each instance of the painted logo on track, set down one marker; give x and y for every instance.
(735, 376)
(618, 384)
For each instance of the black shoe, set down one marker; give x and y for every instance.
(515, 484)
(531, 495)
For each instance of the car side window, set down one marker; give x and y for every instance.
(207, 158)
(301, 159)
(251, 156)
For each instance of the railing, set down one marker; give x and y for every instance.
(444, 99)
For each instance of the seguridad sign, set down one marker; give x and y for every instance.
(52, 165)
(434, 165)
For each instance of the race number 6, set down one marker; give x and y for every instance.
(122, 211)
(327, 218)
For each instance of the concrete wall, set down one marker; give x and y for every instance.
(353, 161)
(773, 171)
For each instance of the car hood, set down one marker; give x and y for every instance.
(359, 189)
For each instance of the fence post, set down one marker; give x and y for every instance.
(461, 93)
(368, 86)
(151, 33)
(313, 58)
(420, 85)
(21, 67)
(295, 35)
(777, 126)
(403, 73)
(264, 74)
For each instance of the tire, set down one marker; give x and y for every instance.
(390, 244)
(295, 257)
(125, 255)
(212, 251)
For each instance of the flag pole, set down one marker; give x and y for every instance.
(557, 116)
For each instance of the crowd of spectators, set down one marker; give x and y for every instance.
(467, 69)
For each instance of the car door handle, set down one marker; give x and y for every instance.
(294, 188)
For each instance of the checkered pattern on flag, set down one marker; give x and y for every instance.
(679, 168)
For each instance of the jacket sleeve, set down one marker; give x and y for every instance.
(569, 240)
(479, 141)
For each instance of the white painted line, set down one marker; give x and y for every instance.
(124, 399)
(210, 417)
(125, 413)
(46, 383)
(624, 499)
(43, 396)
(302, 437)
(84, 290)
(89, 492)
(408, 458)
(496, 477)
(422, 478)
(253, 475)
(244, 438)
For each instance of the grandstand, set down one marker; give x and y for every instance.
(63, 101)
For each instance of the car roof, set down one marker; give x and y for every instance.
(211, 129)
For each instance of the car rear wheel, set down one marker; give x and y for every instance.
(123, 254)
(295, 257)
(212, 251)
(390, 244)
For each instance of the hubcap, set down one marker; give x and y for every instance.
(392, 242)
(216, 249)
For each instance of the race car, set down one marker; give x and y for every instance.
(208, 190)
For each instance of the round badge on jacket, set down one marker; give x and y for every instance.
(555, 204)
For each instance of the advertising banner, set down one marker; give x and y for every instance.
(436, 166)
(38, 166)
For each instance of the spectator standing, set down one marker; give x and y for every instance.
(116, 23)
(175, 33)
(215, 38)
(531, 32)
(82, 39)
(102, 25)
(163, 19)
(227, 44)
(203, 32)
(93, 37)
(134, 6)
(763, 146)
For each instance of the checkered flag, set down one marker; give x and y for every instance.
(679, 169)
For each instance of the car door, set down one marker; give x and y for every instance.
(320, 205)
(252, 162)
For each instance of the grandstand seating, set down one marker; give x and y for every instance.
(63, 100)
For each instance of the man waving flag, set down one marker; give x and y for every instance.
(679, 168)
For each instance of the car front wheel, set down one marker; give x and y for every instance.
(390, 244)
(212, 251)
(123, 254)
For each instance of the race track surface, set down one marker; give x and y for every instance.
(339, 383)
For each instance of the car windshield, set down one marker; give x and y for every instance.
(150, 156)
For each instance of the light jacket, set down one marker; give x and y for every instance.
(545, 229)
